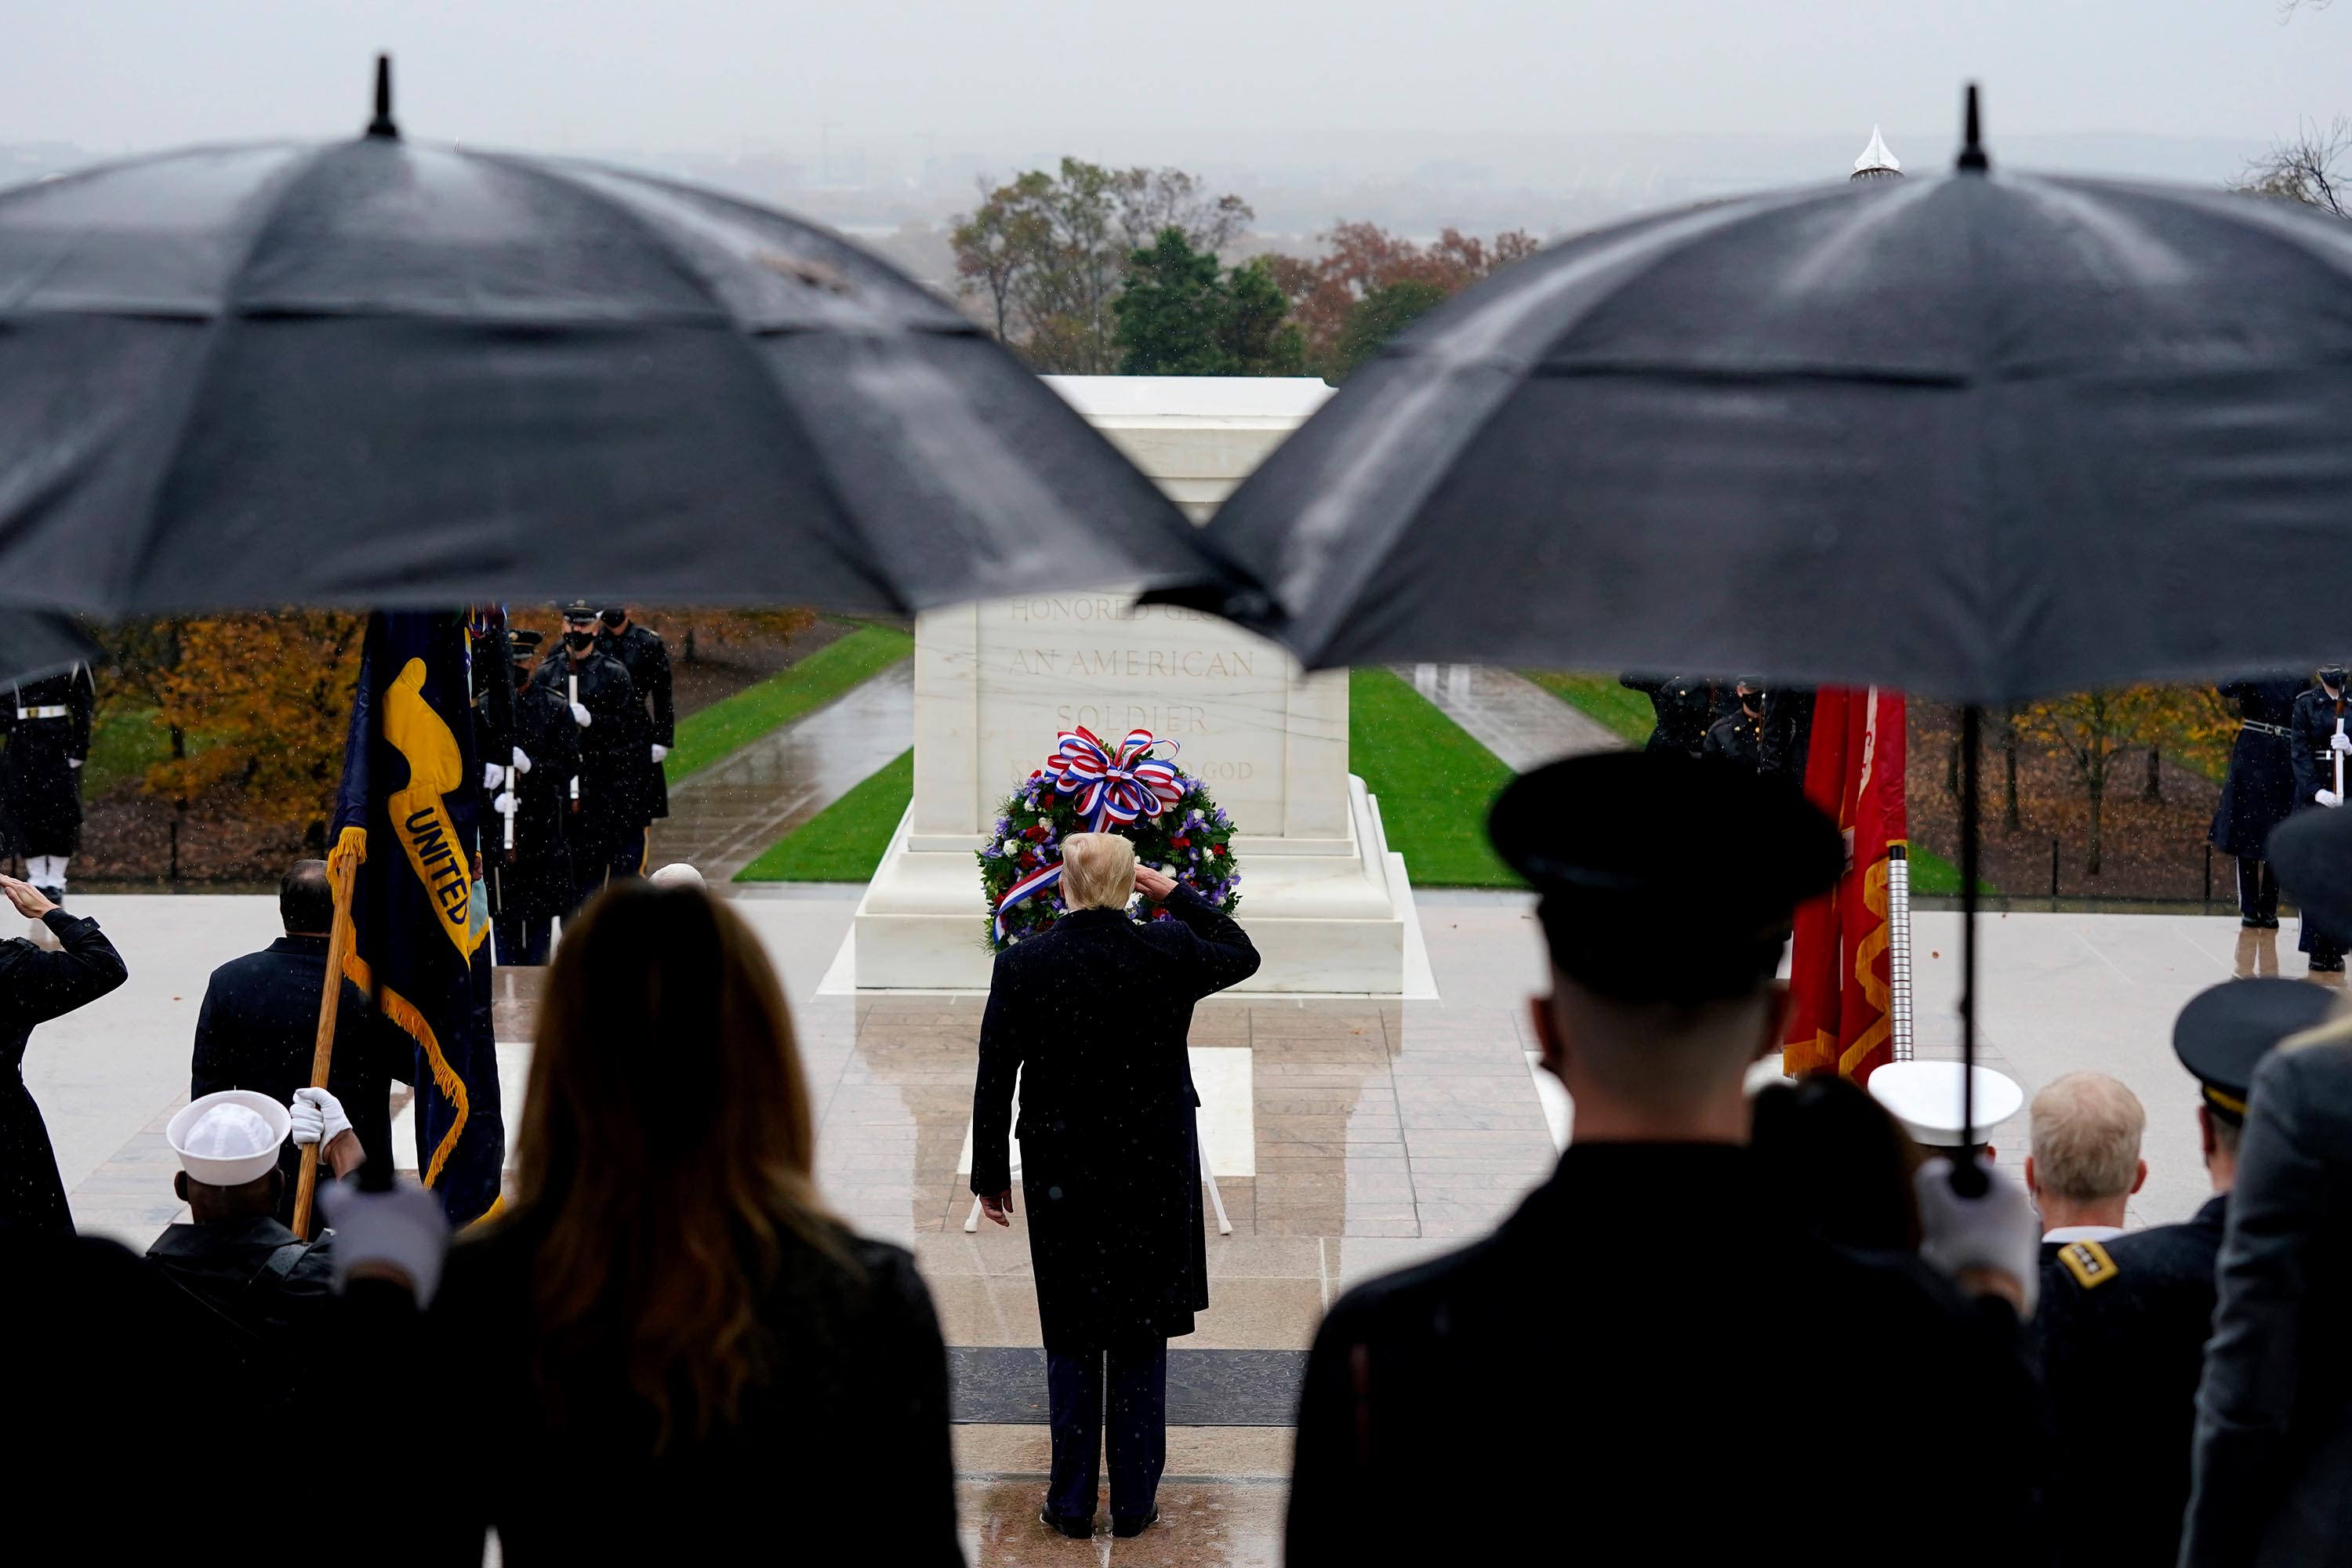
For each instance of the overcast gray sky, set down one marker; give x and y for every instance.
(721, 75)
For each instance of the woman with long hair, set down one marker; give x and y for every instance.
(665, 1343)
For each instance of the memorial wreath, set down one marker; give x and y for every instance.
(1089, 786)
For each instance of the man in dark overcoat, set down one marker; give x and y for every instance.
(1092, 1014)
(534, 885)
(1686, 706)
(35, 986)
(257, 1027)
(1630, 1349)
(2319, 731)
(611, 726)
(641, 653)
(48, 726)
(2259, 792)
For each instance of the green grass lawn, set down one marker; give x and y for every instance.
(844, 842)
(124, 742)
(1434, 783)
(736, 721)
(1621, 708)
(1936, 877)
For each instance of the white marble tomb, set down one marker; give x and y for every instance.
(1322, 895)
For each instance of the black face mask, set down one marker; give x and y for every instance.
(1753, 701)
(613, 619)
(578, 641)
(2333, 676)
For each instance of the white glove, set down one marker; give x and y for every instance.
(504, 803)
(2329, 797)
(492, 775)
(2339, 742)
(318, 1116)
(403, 1229)
(522, 763)
(580, 714)
(76, 762)
(660, 751)
(1997, 1230)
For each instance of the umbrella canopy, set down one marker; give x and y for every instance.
(376, 373)
(38, 643)
(1981, 437)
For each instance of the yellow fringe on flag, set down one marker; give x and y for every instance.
(1865, 955)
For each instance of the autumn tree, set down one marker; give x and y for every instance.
(1180, 314)
(1360, 259)
(1049, 253)
(2094, 730)
(270, 696)
(1381, 315)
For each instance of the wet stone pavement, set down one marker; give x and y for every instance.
(1508, 714)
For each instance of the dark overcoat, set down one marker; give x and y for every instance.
(641, 652)
(2270, 1474)
(1667, 1436)
(48, 726)
(1687, 707)
(257, 1029)
(2123, 1325)
(35, 987)
(609, 748)
(2259, 793)
(1092, 1016)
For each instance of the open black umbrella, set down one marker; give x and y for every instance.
(1980, 438)
(374, 374)
(35, 642)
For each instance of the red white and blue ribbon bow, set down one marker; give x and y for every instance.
(1110, 786)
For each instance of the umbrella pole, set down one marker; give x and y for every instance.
(1968, 1180)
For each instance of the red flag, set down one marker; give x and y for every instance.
(1839, 984)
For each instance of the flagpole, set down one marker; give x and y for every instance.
(1898, 948)
(341, 871)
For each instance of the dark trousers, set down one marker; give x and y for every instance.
(2258, 889)
(592, 856)
(629, 854)
(1116, 1398)
(522, 941)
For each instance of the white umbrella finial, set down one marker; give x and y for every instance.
(1875, 156)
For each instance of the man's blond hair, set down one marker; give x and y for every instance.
(2086, 1130)
(1097, 871)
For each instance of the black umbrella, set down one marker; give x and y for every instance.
(1980, 438)
(36, 643)
(376, 373)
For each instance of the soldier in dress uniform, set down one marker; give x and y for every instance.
(641, 653)
(610, 723)
(2316, 736)
(2123, 1323)
(1749, 733)
(1635, 1355)
(1686, 706)
(534, 885)
(2259, 793)
(48, 726)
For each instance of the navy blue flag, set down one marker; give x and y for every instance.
(405, 824)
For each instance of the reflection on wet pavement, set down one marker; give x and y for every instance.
(1508, 714)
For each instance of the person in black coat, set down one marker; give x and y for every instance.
(533, 884)
(35, 986)
(2259, 792)
(641, 653)
(611, 724)
(1668, 1433)
(1687, 707)
(47, 723)
(2317, 728)
(1092, 1014)
(1752, 734)
(258, 1027)
(2123, 1323)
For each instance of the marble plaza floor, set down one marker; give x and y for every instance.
(1347, 1137)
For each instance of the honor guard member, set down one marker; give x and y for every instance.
(641, 653)
(1740, 736)
(610, 723)
(48, 725)
(534, 885)
(2315, 739)
(1926, 1098)
(2259, 793)
(2123, 1323)
(1685, 706)
(1667, 1438)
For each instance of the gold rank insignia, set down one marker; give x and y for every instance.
(2088, 1262)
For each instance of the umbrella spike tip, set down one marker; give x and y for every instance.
(382, 125)
(1972, 152)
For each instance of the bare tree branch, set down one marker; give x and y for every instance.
(2312, 167)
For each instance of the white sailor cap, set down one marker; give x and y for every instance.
(1926, 1098)
(677, 874)
(230, 1138)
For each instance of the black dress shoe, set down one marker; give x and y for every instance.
(1076, 1528)
(2327, 966)
(1124, 1525)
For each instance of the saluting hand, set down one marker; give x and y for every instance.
(30, 902)
(1152, 884)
